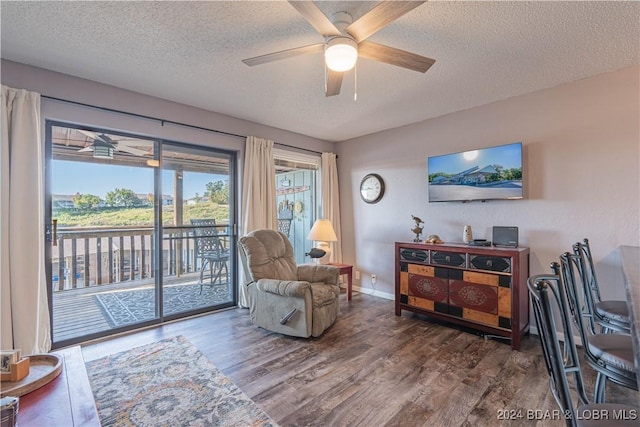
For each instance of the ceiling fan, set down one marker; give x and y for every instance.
(103, 146)
(345, 41)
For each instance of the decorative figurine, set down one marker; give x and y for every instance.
(417, 229)
(433, 238)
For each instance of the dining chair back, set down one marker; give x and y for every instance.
(551, 310)
(611, 315)
(610, 355)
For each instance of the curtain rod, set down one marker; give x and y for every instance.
(163, 121)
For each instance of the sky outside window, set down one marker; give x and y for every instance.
(99, 179)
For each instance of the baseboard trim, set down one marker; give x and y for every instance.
(375, 293)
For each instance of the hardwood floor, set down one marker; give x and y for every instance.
(372, 368)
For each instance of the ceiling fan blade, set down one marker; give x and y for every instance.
(380, 16)
(131, 150)
(86, 149)
(89, 134)
(315, 17)
(284, 54)
(334, 82)
(393, 56)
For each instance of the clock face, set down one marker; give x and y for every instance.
(372, 188)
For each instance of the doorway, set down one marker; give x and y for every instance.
(123, 250)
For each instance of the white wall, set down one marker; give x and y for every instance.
(581, 170)
(581, 151)
(63, 86)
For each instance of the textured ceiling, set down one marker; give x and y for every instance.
(191, 52)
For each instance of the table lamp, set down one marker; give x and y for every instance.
(322, 233)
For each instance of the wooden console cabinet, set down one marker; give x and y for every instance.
(484, 288)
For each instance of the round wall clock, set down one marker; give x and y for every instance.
(372, 188)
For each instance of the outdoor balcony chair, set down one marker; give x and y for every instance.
(210, 250)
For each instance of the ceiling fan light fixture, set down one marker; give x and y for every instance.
(341, 53)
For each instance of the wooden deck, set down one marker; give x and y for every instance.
(77, 312)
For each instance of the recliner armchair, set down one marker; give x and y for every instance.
(296, 300)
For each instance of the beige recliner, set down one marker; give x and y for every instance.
(297, 300)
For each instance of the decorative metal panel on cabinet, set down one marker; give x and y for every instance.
(484, 288)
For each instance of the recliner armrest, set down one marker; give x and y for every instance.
(319, 273)
(290, 288)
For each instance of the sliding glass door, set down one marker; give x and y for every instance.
(197, 228)
(125, 248)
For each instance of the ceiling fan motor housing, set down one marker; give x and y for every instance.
(341, 20)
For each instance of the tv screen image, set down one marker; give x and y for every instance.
(490, 173)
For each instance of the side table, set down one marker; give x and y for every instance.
(65, 401)
(348, 270)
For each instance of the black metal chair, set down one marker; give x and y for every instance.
(610, 355)
(213, 256)
(611, 315)
(550, 308)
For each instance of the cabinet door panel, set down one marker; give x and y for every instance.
(421, 303)
(481, 278)
(431, 288)
(474, 296)
(404, 283)
(480, 317)
(504, 302)
(422, 270)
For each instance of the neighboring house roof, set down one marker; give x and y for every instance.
(485, 170)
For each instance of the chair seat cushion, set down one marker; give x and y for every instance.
(614, 310)
(614, 349)
(324, 294)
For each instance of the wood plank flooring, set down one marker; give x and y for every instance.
(372, 368)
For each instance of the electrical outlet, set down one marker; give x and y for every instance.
(374, 279)
(357, 275)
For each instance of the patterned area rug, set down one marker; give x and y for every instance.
(169, 383)
(134, 306)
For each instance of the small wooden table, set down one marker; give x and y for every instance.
(65, 401)
(348, 270)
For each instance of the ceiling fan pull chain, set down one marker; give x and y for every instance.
(355, 83)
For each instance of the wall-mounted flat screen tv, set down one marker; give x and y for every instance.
(491, 173)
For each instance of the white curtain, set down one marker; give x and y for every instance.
(258, 194)
(25, 311)
(331, 201)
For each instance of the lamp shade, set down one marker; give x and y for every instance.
(322, 231)
(341, 53)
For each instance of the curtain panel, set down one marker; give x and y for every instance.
(25, 311)
(331, 201)
(258, 195)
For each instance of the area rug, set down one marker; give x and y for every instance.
(122, 308)
(168, 383)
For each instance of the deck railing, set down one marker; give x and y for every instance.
(98, 256)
